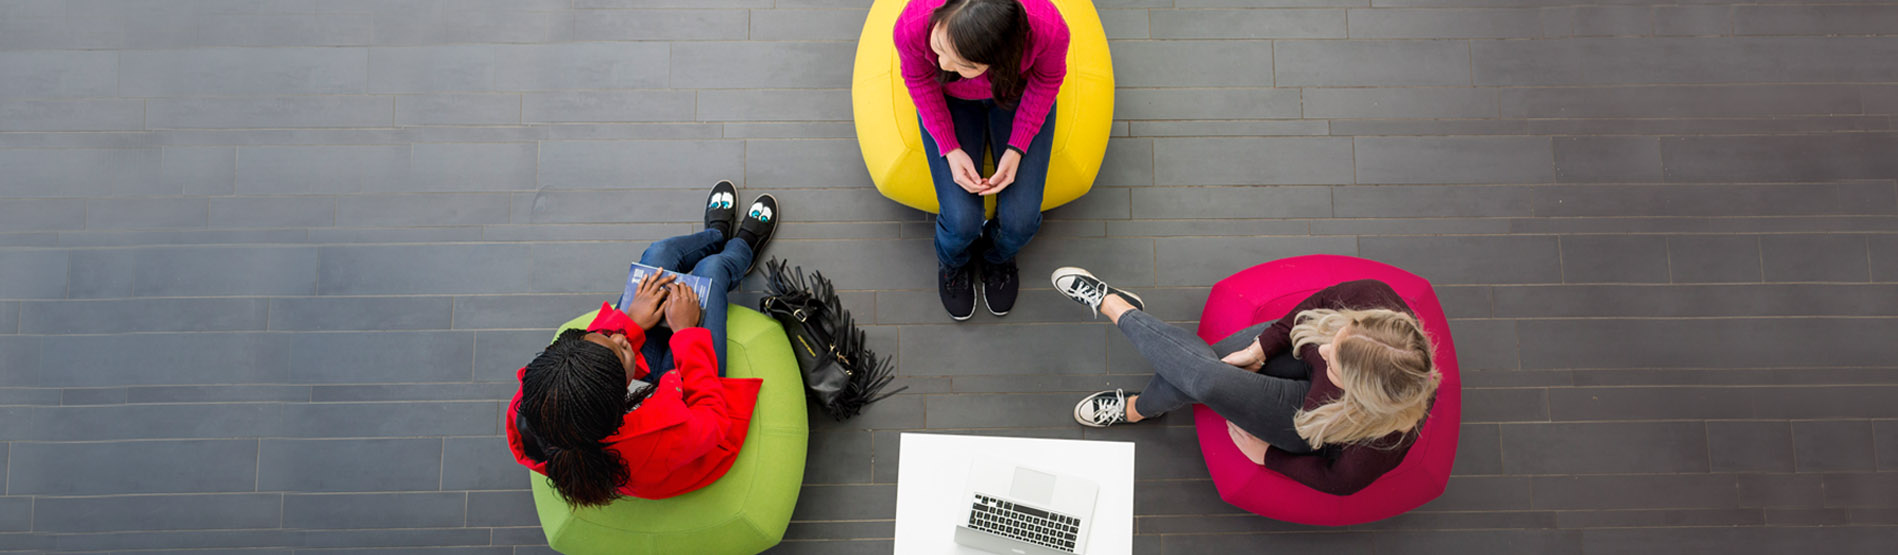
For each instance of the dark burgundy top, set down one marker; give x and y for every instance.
(1336, 469)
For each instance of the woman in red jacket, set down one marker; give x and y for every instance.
(599, 425)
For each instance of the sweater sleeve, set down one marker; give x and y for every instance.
(919, 75)
(1364, 293)
(1321, 472)
(1044, 81)
(708, 412)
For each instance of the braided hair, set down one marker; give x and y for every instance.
(572, 397)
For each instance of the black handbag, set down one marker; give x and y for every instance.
(840, 372)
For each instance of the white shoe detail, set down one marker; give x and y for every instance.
(1102, 409)
(1080, 285)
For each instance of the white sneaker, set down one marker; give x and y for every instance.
(1102, 409)
(1086, 289)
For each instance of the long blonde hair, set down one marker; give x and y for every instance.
(1384, 367)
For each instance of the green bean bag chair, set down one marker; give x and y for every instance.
(744, 512)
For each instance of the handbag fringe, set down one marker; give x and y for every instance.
(868, 374)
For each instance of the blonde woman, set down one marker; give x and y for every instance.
(1338, 388)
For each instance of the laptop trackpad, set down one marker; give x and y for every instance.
(1033, 487)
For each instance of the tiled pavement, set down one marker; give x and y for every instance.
(267, 266)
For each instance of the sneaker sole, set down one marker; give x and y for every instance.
(964, 317)
(1055, 280)
(985, 304)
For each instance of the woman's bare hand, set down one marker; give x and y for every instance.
(1251, 358)
(682, 307)
(648, 300)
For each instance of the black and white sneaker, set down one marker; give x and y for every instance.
(1103, 409)
(1086, 289)
(760, 223)
(1000, 284)
(957, 290)
(720, 208)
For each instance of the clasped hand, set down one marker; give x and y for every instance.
(660, 296)
(1251, 358)
(967, 176)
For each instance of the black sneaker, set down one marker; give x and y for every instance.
(958, 292)
(720, 208)
(1102, 409)
(1086, 289)
(760, 223)
(1000, 283)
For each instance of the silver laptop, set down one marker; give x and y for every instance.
(1017, 510)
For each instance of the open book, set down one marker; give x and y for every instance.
(699, 284)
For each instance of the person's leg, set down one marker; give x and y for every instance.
(725, 269)
(1162, 397)
(681, 253)
(1282, 365)
(959, 220)
(1018, 208)
(678, 254)
(1239, 339)
(1262, 405)
(1158, 398)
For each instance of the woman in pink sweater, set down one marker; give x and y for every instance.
(984, 73)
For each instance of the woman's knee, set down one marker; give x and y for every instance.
(1020, 224)
(959, 225)
(660, 253)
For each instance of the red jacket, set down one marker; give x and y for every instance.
(683, 437)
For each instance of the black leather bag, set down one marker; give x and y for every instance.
(840, 372)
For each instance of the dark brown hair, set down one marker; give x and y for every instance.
(572, 397)
(993, 32)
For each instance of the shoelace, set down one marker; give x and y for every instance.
(1089, 292)
(959, 280)
(1108, 410)
(999, 277)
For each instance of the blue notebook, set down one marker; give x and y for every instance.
(700, 284)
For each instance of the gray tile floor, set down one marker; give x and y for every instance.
(267, 266)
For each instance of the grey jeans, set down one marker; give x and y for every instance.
(1186, 370)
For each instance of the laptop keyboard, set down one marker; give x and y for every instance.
(1024, 523)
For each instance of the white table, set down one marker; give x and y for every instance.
(932, 477)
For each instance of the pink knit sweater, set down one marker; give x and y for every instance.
(1044, 63)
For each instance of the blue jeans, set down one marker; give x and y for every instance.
(1017, 208)
(706, 253)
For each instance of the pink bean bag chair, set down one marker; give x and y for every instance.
(1267, 292)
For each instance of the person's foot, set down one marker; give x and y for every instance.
(760, 223)
(1000, 283)
(958, 292)
(1102, 409)
(721, 212)
(1086, 289)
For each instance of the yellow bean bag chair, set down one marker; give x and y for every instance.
(892, 140)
